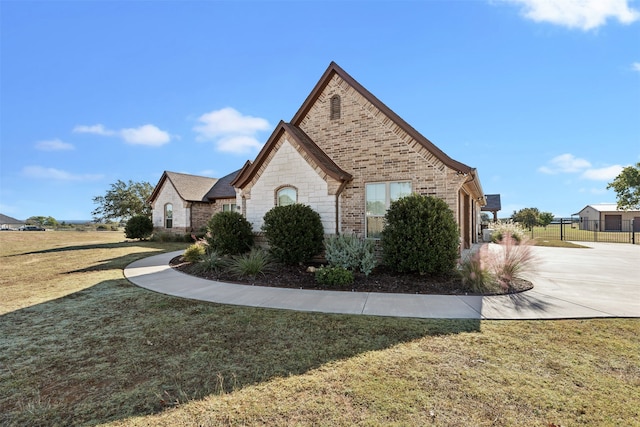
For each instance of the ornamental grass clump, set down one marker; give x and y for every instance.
(251, 264)
(350, 253)
(475, 271)
(512, 262)
(508, 228)
(496, 268)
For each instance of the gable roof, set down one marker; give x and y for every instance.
(4, 219)
(493, 203)
(334, 69)
(223, 189)
(606, 207)
(191, 188)
(302, 139)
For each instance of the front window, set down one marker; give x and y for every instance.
(379, 196)
(168, 215)
(229, 207)
(287, 196)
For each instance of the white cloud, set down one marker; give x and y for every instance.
(39, 172)
(145, 135)
(635, 66)
(583, 14)
(602, 174)
(149, 135)
(231, 131)
(564, 163)
(94, 129)
(238, 144)
(54, 145)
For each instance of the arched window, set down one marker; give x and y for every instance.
(168, 215)
(335, 107)
(286, 196)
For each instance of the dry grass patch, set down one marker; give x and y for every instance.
(108, 351)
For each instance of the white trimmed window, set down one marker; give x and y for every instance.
(168, 215)
(286, 196)
(229, 207)
(379, 196)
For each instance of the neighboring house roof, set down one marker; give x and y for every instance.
(191, 188)
(606, 207)
(302, 139)
(4, 219)
(335, 69)
(493, 203)
(223, 189)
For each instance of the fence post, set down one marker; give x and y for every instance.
(561, 228)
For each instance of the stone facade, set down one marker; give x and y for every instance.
(181, 209)
(288, 167)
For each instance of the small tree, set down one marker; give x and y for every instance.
(229, 233)
(123, 201)
(545, 219)
(294, 233)
(627, 187)
(420, 235)
(138, 227)
(528, 217)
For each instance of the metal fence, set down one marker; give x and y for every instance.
(626, 231)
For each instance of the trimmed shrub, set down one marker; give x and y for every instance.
(250, 264)
(138, 227)
(350, 252)
(334, 276)
(194, 253)
(294, 233)
(229, 233)
(420, 235)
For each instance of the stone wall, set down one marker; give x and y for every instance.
(286, 167)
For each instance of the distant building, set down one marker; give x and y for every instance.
(8, 223)
(493, 205)
(607, 217)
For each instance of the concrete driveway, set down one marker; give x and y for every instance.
(600, 281)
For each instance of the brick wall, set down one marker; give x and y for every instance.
(368, 145)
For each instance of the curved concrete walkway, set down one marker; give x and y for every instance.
(603, 281)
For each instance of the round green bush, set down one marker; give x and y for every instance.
(138, 227)
(229, 233)
(334, 276)
(294, 233)
(420, 235)
(194, 253)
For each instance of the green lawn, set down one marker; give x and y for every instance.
(79, 345)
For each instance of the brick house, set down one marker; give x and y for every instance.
(348, 156)
(183, 203)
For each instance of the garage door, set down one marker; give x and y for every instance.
(613, 223)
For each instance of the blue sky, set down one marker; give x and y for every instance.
(542, 97)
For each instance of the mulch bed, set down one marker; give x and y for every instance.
(381, 280)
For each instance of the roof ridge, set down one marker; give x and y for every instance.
(406, 127)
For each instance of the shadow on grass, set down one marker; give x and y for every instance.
(124, 244)
(115, 350)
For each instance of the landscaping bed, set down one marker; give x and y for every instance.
(381, 280)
